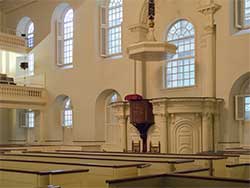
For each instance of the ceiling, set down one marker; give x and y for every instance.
(10, 5)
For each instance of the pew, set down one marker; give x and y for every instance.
(177, 181)
(241, 170)
(217, 164)
(97, 173)
(157, 165)
(35, 178)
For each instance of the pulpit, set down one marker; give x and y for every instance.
(141, 116)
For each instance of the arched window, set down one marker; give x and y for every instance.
(63, 21)
(26, 28)
(111, 30)
(68, 37)
(180, 68)
(110, 119)
(30, 35)
(67, 113)
(247, 108)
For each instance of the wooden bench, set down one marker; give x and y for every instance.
(217, 164)
(241, 170)
(157, 165)
(97, 175)
(177, 181)
(27, 178)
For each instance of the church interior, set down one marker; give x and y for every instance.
(124, 93)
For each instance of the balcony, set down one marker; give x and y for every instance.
(12, 96)
(10, 42)
(26, 94)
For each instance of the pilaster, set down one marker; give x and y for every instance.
(161, 120)
(208, 45)
(119, 113)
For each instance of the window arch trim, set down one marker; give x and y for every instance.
(111, 33)
(63, 47)
(171, 58)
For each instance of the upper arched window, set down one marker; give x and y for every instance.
(111, 28)
(242, 14)
(68, 37)
(63, 19)
(180, 68)
(26, 29)
(30, 35)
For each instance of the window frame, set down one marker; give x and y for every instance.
(30, 116)
(239, 15)
(30, 34)
(60, 39)
(105, 28)
(66, 117)
(245, 104)
(240, 105)
(190, 57)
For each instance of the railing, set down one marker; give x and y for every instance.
(10, 41)
(9, 31)
(37, 81)
(19, 91)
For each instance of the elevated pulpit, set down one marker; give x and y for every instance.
(141, 116)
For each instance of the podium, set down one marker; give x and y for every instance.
(141, 116)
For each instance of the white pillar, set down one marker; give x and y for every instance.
(161, 120)
(207, 131)
(208, 50)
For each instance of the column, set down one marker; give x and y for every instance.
(207, 129)
(161, 120)
(208, 50)
(119, 113)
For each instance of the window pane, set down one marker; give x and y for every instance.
(115, 18)
(247, 13)
(247, 108)
(182, 63)
(30, 35)
(68, 37)
(31, 119)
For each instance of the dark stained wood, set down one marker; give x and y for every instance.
(247, 181)
(186, 171)
(180, 160)
(44, 172)
(76, 164)
(237, 165)
(141, 116)
(144, 155)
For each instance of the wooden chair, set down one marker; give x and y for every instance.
(136, 147)
(155, 148)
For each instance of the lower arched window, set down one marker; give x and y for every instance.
(67, 114)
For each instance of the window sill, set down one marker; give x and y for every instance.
(179, 88)
(242, 32)
(65, 66)
(113, 56)
(67, 127)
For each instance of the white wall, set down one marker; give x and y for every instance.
(92, 74)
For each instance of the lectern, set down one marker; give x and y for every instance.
(141, 116)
